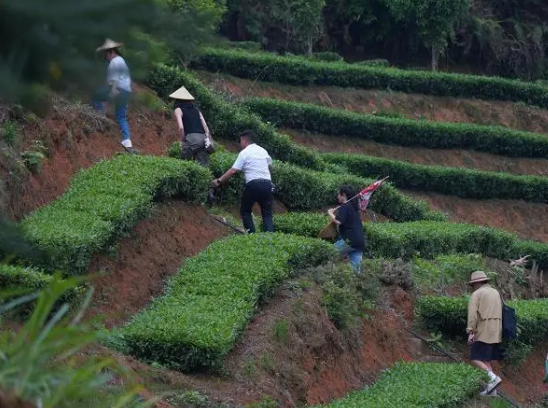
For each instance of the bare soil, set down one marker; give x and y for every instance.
(128, 280)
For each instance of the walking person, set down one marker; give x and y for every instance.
(196, 139)
(484, 327)
(118, 89)
(347, 217)
(255, 163)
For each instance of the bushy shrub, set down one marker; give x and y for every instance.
(404, 132)
(302, 189)
(380, 63)
(327, 56)
(459, 182)
(403, 385)
(230, 120)
(107, 200)
(208, 304)
(426, 239)
(295, 71)
(449, 316)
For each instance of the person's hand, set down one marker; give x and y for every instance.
(114, 93)
(215, 183)
(471, 338)
(331, 211)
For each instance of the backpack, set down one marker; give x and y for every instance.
(509, 322)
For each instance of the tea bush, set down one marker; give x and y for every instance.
(208, 304)
(459, 182)
(449, 316)
(403, 385)
(293, 70)
(426, 239)
(302, 189)
(105, 201)
(404, 132)
(228, 119)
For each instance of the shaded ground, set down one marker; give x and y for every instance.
(437, 157)
(413, 106)
(129, 279)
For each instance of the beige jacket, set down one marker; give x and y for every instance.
(485, 315)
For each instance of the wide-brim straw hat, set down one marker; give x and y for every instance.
(109, 45)
(182, 94)
(478, 276)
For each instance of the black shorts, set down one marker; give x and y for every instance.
(481, 351)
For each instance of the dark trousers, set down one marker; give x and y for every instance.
(194, 148)
(257, 191)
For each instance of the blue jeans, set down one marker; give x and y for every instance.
(121, 102)
(355, 256)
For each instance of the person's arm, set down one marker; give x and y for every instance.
(204, 124)
(179, 118)
(331, 213)
(236, 167)
(113, 76)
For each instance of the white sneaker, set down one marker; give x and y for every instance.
(491, 386)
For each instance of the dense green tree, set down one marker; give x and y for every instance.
(435, 20)
(54, 42)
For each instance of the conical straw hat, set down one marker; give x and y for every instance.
(182, 94)
(109, 45)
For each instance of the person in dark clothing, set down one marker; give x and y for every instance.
(352, 241)
(255, 163)
(195, 135)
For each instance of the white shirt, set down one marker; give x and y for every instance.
(118, 72)
(254, 162)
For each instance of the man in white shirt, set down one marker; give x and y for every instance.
(119, 89)
(255, 162)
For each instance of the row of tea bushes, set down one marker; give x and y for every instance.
(104, 202)
(208, 304)
(404, 132)
(296, 71)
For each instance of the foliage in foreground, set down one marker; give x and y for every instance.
(42, 362)
(417, 385)
(208, 304)
(426, 239)
(404, 132)
(272, 68)
(448, 315)
(105, 201)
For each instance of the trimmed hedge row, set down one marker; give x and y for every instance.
(272, 68)
(464, 183)
(449, 315)
(105, 201)
(426, 239)
(208, 304)
(17, 277)
(229, 120)
(403, 385)
(404, 132)
(302, 189)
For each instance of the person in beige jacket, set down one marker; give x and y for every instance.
(484, 327)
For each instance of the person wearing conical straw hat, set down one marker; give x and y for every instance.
(196, 139)
(118, 89)
(484, 327)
